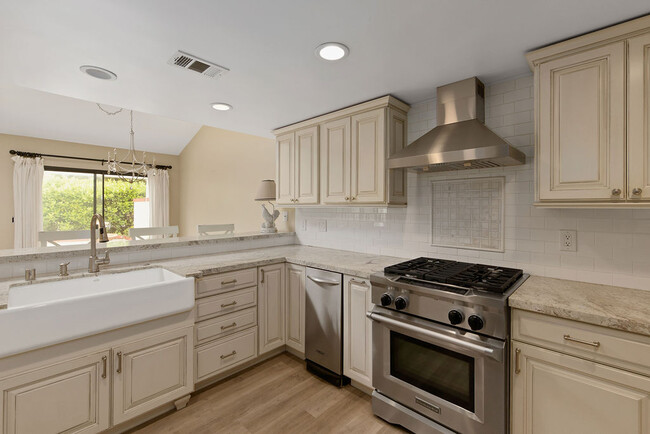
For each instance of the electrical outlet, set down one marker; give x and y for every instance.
(322, 226)
(568, 241)
(285, 216)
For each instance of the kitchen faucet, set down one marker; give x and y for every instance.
(94, 262)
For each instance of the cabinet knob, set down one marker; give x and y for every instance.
(616, 192)
(347, 198)
(636, 191)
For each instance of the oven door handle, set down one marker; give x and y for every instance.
(435, 335)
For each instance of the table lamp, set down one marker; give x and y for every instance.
(266, 192)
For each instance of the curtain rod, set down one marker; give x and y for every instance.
(36, 155)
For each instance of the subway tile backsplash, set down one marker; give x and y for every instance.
(613, 245)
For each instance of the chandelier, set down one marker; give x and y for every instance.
(128, 167)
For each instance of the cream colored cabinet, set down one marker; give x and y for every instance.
(581, 131)
(368, 157)
(573, 377)
(271, 307)
(592, 108)
(151, 372)
(639, 117)
(71, 396)
(558, 393)
(357, 329)
(297, 167)
(340, 158)
(335, 161)
(295, 309)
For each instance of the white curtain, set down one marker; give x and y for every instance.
(158, 192)
(28, 203)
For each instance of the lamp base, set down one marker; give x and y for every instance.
(268, 230)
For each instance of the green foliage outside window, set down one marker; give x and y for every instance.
(68, 202)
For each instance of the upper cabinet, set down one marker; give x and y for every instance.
(340, 158)
(297, 167)
(592, 143)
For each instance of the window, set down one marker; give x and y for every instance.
(71, 197)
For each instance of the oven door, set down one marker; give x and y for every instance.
(455, 378)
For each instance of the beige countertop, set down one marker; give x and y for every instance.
(356, 264)
(608, 306)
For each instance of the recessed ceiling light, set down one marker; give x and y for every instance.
(332, 51)
(97, 72)
(221, 106)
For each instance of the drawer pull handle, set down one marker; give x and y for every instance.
(228, 355)
(119, 362)
(229, 304)
(595, 344)
(358, 282)
(517, 367)
(228, 282)
(104, 366)
(229, 326)
(262, 273)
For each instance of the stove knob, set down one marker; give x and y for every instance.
(455, 317)
(401, 302)
(475, 322)
(386, 299)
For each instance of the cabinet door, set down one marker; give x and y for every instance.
(396, 142)
(639, 117)
(71, 396)
(556, 393)
(368, 157)
(151, 372)
(581, 126)
(306, 163)
(270, 306)
(357, 352)
(295, 324)
(335, 161)
(285, 169)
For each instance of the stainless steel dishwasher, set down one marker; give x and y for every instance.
(324, 325)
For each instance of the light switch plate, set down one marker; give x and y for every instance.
(568, 241)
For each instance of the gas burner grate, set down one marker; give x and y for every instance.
(475, 276)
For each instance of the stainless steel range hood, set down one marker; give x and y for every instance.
(461, 140)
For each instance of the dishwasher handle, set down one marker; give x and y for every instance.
(323, 281)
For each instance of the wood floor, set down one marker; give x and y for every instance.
(277, 396)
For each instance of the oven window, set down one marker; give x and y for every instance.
(436, 370)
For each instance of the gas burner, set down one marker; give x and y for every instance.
(463, 274)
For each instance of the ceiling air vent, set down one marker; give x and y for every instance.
(193, 63)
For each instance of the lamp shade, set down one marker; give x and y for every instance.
(266, 190)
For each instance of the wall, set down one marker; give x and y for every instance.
(221, 171)
(613, 245)
(21, 143)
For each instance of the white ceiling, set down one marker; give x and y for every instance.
(29, 112)
(402, 47)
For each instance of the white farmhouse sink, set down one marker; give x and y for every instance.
(48, 313)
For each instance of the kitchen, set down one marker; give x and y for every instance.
(484, 279)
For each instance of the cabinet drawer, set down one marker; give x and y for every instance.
(226, 282)
(613, 347)
(206, 331)
(221, 304)
(215, 357)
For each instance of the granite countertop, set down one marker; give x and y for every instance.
(118, 246)
(357, 264)
(603, 305)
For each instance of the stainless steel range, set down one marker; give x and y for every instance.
(440, 345)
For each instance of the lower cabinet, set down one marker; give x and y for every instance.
(357, 329)
(151, 372)
(558, 393)
(295, 309)
(216, 357)
(271, 307)
(72, 396)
